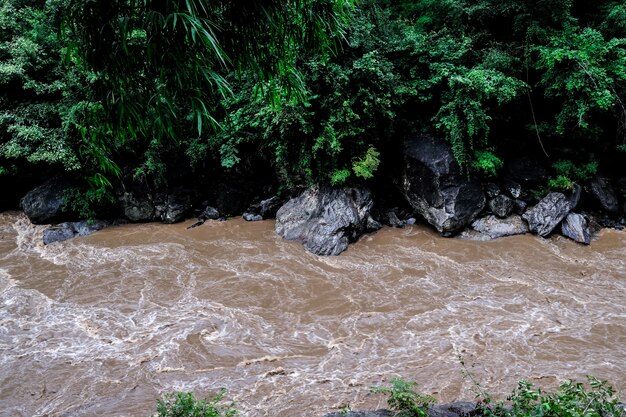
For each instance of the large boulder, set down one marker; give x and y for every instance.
(493, 227)
(327, 219)
(547, 214)
(604, 193)
(44, 204)
(433, 185)
(575, 226)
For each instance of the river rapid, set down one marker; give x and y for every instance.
(103, 325)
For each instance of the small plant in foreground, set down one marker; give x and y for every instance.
(184, 404)
(572, 399)
(404, 399)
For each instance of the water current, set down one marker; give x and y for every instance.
(105, 324)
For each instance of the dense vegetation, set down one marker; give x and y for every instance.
(306, 91)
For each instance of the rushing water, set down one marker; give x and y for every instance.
(103, 325)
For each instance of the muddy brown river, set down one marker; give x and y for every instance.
(103, 325)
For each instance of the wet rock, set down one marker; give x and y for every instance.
(434, 187)
(250, 217)
(575, 196)
(209, 213)
(138, 207)
(265, 209)
(471, 234)
(44, 204)
(501, 206)
(547, 214)
(604, 193)
(391, 219)
(177, 207)
(326, 219)
(520, 206)
(512, 188)
(575, 227)
(525, 171)
(494, 227)
(69, 230)
(455, 409)
(491, 190)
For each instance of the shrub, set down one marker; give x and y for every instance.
(184, 404)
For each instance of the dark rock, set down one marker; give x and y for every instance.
(513, 188)
(209, 213)
(251, 217)
(491, 190)
(376, 413)
(526, 171)
(494, 227)
(621, 187)
(58, 233)
(434, 187)
(266, 209)
(575, 196)
(391, 219)
(602, 190)
(44, 204)
(547, 214)
(455, 409)
(138, 207)
(177, 207)
(87, 227)
(230, 199)
(501, 206)
(520, 206)
(325, 219)
(69, 230)
(575, 227)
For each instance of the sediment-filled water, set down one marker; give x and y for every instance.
(105, 324)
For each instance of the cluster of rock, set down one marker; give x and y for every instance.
(326, 219)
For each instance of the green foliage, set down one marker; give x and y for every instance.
(186, 405)
(568, 174)
(487, 163)
(368, 164)
(572, 399)
(587, 71)
(403, 398)
(38, 92)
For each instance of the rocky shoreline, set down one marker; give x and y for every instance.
(432, 189)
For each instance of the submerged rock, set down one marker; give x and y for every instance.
(325, 220)
(547, 214)
(575, 226)
(44, 204)
(433, 185)
(69, 230)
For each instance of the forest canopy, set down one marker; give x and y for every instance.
(316, 91)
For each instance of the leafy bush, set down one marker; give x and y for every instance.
(182, 404)
(404, 399)
(572, 399)
(568, 174)
(487, 163)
